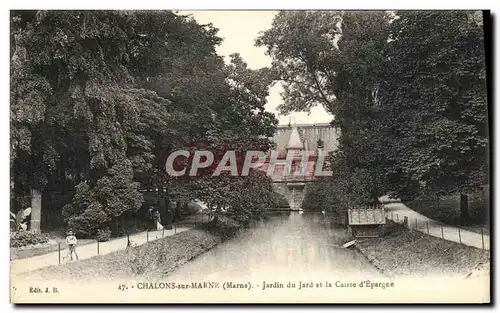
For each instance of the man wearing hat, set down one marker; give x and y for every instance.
(71, 242)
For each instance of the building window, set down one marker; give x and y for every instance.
(320, 143)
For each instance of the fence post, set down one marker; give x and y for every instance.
(59, 248)
(163, 232)
(459, 237)
(397, 218)
(128, 240)
(405, 222)
(97, 247)
(427, 227)
(482, 237)
(147, 235)
(416, 223)
(442, 234)
(175, 228)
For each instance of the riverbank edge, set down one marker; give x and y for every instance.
(384, 259)
(373, 261)
(221, 236)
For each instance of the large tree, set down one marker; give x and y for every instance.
(407, 91)
(100, 98)
(240, 124)
(334, 59)
(76, 109)
(434, 102)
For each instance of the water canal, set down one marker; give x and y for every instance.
(288, 251)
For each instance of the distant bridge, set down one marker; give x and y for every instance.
(313, 138)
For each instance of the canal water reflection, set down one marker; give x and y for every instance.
(290, 245)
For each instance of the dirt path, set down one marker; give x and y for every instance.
(417, 221)
(88, 251)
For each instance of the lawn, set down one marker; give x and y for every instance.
(410, 253)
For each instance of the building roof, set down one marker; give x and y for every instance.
(295, 142)
(364, 216)
(309, 135)
(306, 125)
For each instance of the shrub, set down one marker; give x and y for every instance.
(99, 204)
(26, 238)
(103, 235)
(87, 224)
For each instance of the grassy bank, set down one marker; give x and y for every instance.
(406, 253)
(158, 257)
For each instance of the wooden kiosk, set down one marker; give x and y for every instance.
(366, 222)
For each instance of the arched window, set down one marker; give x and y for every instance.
(320, 143)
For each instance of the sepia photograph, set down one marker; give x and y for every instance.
(292, 156)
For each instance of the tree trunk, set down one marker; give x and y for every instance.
(163, 208)
(169, 214)
(464, 208)
(486, 203)
(36, 210)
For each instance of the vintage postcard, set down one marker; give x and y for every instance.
(249, 156)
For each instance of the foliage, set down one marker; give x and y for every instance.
(100, 98)
(406, 89)
(26, 238)
(73, 130)
(302, 45)
(434, 97)
(245, 199)
(18, 219)
(446, 209)
(103, 235)
(239, 124)
(320, 196)
(279, 201)
(98, 204)
(333, 59)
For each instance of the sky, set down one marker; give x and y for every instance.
(239, 29)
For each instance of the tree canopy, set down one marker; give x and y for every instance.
(100, 98)
(407, 90)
